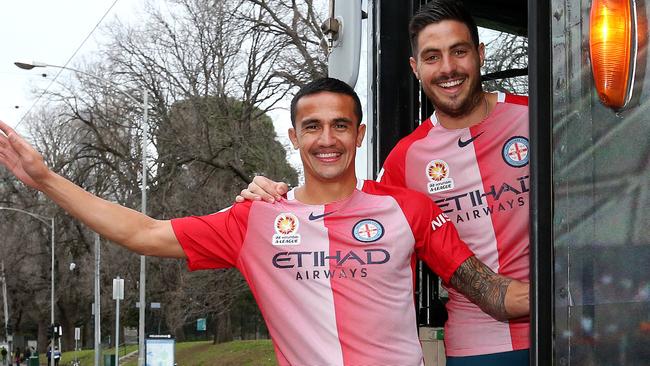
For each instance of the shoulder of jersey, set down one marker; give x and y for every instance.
(238, 206)
(401, 194)
(516, 99)
(247, 203)
(419, 133)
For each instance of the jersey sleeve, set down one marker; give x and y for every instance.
(213, 241)
(393, 171)
(436, 240)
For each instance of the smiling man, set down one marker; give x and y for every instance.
(447, 61)
(327, 139)
(471, 158)
(331, 265)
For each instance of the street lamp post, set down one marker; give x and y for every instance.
(6, 306)
(50, 224)
(98, 323)
(143, 277)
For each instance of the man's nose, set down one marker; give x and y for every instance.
(447, 65)
(326, 137)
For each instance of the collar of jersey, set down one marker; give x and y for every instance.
(291, 195)
(501, 97)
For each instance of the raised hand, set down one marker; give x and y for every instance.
(21, 158)
(129, 228)
(262, 188)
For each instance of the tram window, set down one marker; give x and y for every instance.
(601, 187)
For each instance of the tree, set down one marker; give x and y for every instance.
(197, 147)
(296, 26)
(212, 69)
(505, 52)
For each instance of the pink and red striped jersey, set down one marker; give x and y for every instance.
(479, 177)
(333, 282)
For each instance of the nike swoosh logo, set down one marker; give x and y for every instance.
(313, 217)
(462, 143)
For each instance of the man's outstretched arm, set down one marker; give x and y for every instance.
(132, 229)
(501, 297)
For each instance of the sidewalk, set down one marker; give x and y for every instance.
(129, 356)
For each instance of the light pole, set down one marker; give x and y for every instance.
(50, 224)
(143, 268)
(98, 318)
(6, 306)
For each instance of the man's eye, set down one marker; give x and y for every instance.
(341, 126)
(460, 52)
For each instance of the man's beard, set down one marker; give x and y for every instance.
(467, 105)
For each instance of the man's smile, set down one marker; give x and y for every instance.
(451, 83)
(328, 157)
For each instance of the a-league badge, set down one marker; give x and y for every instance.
(368, 230)
(438, 175)
(286, 230)
(516, 151)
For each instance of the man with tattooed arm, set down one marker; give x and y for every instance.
(331, 265)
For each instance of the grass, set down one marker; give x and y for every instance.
(202, 353)
(87, 356)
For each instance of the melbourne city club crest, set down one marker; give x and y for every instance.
(286, 230)
(368, 230)
(515, 151)
(438, 175)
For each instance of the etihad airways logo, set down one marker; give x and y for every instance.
(321, 258)
(475, 204)
(326, 265)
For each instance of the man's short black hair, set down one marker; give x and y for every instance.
(326, 85)
(436, 11)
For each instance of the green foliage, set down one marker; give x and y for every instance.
(208, 150)
(214, 146)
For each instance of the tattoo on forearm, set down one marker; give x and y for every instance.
(482, 286)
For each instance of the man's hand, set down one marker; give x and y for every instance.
(501, 297)
(262, 188)
(517, 301)
(21, 158)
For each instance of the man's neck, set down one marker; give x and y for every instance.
(320, 192)
(479, 113)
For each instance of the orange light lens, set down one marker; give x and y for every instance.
(610, 43)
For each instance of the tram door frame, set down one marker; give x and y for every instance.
(396, 105)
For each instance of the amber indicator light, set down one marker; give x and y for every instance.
(612, 44)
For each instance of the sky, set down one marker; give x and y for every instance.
(51, 32)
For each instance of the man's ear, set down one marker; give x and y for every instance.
(293, 138)
(481, 53)
(414, 67)
(361, 133)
